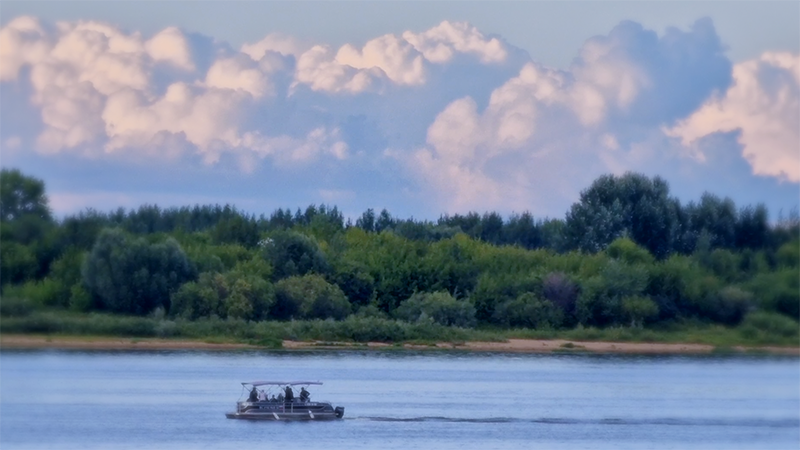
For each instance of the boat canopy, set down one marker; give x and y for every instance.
(279, 383)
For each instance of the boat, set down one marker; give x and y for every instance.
(277, 400)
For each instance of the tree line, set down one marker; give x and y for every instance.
(626, 254)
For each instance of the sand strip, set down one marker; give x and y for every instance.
(16, 341)
(512, 345)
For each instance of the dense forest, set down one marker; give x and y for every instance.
(627, 254)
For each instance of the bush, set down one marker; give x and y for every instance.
(639, 310)
(43, 293)
(294, 254)
(493, 290)
(235, 294)
(441, 307)
(778, 291)
(310, 297)
(600, 302)
(764, 325)
(129, 275)
(16, 306)
(627, 251)
(529, 311)
(728, 305)
(788, 255)
(563, 292)
(79, 298)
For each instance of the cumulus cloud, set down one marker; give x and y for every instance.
(599, 111)
(95, 88)
(402, 59)
(763, 106)
(449, 114)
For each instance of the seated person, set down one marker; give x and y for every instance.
(304, 395)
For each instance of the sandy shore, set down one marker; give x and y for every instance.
(561, 346)
(512, 345)
(17, 341)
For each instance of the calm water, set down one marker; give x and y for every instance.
(393, 400)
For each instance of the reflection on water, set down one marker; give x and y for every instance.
(177, 399)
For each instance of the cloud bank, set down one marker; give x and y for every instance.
(448, 117)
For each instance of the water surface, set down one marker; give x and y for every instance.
(393, 400)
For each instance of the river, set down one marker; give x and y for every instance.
(401, 400)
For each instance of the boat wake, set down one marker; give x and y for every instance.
(744, 422)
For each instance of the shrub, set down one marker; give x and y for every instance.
(130, 275)
(294, 254)
(728, 305)
(627, 251)
(778, 291)
(235, 294)
(760, 323)
(16, 306)
(79, 298)
(441, 307)
(309, 296)
(600, 301)
(788, 255)
(529, 311)
(44, 293)
(639, 310)
(563, 292)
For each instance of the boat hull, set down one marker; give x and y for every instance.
(279, 411)
(295, 416)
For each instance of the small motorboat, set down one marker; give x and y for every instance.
(277, 400)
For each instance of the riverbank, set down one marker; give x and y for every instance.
(15, 341)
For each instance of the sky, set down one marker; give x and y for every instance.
(422, 108)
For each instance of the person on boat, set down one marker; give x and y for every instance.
(253, 395)
(289, 394)
(304, 394)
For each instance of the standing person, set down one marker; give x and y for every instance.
(289, 394)
(253, 395)
(304, 395)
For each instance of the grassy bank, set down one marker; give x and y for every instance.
(762, 329)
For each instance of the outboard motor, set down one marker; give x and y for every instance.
(339, 411)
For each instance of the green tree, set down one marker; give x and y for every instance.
(631, 205)
(237, 229)
(529, 311)
(309, 297)
(440, 306)
(291, 254)
(638, 310)
(129, 275)
(22, 196)
(600, 302)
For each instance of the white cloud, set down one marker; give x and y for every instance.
(238, 73)
(274, 42)
(442, 42)
(170, 45)
(474, 123)
(94, 87)
(22, 41)
(764, 106)
(401, 59)
(560, 126)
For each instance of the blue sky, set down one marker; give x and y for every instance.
(422, 108)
